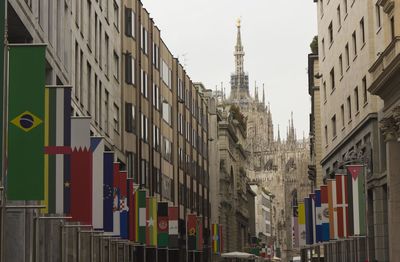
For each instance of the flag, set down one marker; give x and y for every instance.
(216, 238)
(342, 205)
(221, 240)
(309, 221)
(151, 219)
(191, 231)
(314, 223)
(25, 174)
(199, 234)
(132, 210)
(80, 185)
(108, 191)
(162, 221)
(302, 224)
(318, 216)
(357, 204)
(80, 139)
(173, 232)
(295, 227)
(333, 220)
(57, 146)
(116, 200)
(142, 216)
(325, 213)
(97, 147)
(123, 204)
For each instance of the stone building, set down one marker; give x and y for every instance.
(385, 79)
(277, 165)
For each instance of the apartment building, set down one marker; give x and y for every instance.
(384, 72)
(138, 95)
(347, 31)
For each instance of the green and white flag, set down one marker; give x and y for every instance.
(357, 205)
(25, 173)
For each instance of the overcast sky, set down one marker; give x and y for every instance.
(276, 35)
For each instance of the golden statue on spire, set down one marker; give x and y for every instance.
(238, 22)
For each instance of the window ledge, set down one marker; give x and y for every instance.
(350, 121)
(340, 27)
(331, 44)
(325, 101)
(357, 113)
(334, 138)
(343, 128)
(365, 104)
(341, 77)
(333, 90)
(346, 15)
(355, 57)
(362, 47)
(348, 67)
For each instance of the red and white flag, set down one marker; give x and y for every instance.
(342, 205)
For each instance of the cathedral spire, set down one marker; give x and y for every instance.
(263, 97)
(279, 135)
(255, 91)
(239, 53)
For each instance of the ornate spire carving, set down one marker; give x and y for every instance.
(389, 128)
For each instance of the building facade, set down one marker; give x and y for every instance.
(348, 33)
(138, 95)
(384, 72)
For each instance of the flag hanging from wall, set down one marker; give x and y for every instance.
(173, 232)
(318, 216)
(342, 205)
(309, 221)
(116, 200)
(97, 148)
(357, 204)
(191, 232)
(199, 233)
(57, 146)
(141, 216)
(333, 220)
(80, 186)
(108, 191)
(26, 81)
(132, 210)
(151, 221)
(302, 224)
(162, 221)
(123, 204)
(325, 213)
(216, 238)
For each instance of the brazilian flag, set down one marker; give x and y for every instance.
(26, 82)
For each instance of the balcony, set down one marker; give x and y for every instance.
(385, 67)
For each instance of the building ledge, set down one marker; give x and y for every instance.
(385, 67)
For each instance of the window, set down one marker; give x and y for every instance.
(131, 166)
(156, 137)
(349, 107)
(166, 112)
(342, 114)
(345, 7)
(362, 30)
(106, 108)
(341, 65)
(339, 18)
(365, 91)
(116, 15)
(107, 48)
(156, 56)
(96, 99)
(354, 37)
(116, 66)
(100, 45)
(330, 30)
(324, 85)
(321, 7)
(332, 78)
(129, 69)
(166, 74)
(180, 89)
(180, 123)
(96, 36)
(116, 118)
(378, 16)
(333, 120)
(144, 172)
(347, 55)
(326, 135)
(167, 149)
(89, 87)
(156, 96)
(143, 83)
(357, 104)
(392, 32)
(129, 118)
(88, 22)
(144, 128)
(323, 48)
(144, 36)
(129, 22)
